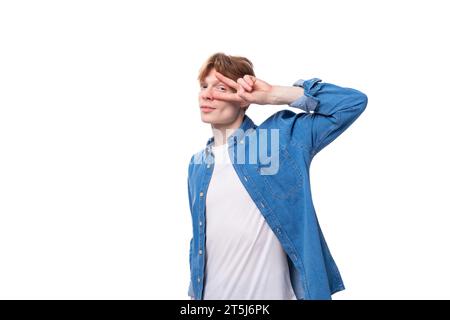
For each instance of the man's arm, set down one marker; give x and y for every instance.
(190, 288)
(284, 94)
(330, 109)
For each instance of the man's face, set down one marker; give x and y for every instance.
(216, 112)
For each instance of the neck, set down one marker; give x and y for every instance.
(221, 132)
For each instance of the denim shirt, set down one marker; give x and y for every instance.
(280, 187)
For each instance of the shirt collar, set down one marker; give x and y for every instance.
(237, 134)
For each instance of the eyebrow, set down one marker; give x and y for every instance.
(214, 82)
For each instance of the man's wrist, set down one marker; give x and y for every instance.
(284, 94)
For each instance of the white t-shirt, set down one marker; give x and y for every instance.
(244, 258)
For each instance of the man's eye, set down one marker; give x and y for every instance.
(222, 89)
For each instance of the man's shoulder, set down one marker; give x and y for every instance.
(196, 157)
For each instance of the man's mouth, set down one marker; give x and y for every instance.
(207, 108)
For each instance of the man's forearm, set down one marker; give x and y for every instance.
(284, 94)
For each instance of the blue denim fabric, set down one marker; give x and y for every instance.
(284, 198)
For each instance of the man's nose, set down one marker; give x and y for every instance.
(207, 94)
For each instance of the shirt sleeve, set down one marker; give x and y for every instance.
(190, 289)
(330, 110)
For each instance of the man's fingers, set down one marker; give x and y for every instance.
(227, 81)
(244, 84)
(249, 79)
(226, 96)
(244, 95)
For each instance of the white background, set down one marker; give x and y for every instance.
(99, 118)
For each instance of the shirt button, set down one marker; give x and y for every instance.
(245, 178)
(200, 251)
(200, 223)
(208, 166)
(198, 279)
(201, 194)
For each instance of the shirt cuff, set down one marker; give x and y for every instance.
(306, 102)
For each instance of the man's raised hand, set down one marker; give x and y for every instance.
(249, 89)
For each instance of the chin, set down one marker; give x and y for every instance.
(207, 119)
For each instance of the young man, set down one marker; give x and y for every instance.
(255, 231)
